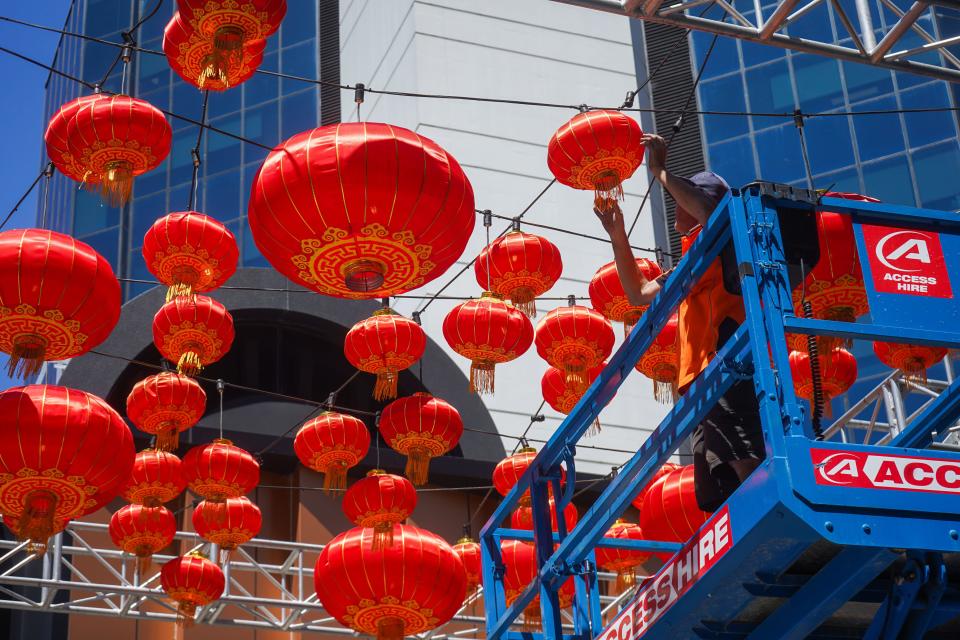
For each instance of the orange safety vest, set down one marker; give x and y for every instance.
(700, 315)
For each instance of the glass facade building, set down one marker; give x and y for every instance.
(265, 109)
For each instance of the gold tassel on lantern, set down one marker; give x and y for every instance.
(116, 183)
(179, 290)
(482, 377)
(626, 579)
(524, 299)
(37, 521)
(389, 628)
(26, 357)
(385, 387)
(575, 377)
(594, 428)
(382, 536)
(607, 190)
(418, 466)
(189, 364)
(335, 479)
(665, 392)
(167, 439)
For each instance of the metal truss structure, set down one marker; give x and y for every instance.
(771, 25)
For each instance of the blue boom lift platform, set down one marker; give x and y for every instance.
(825, 539)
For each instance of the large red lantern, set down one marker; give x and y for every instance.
(230, 524)
(912, 359)
(563, 396)
(227, 21)
(607, 295)
(661, 362)
(193, 332)
(596, 151)
(197, 59)
(413, 586)
(361, 210)
(190, 252)
(488, 332)
(662, 471)
(468, 550)
(420, 427)
(520, 567)
(165, 405)
(191, 581)
(58, 298)
(64, 453)
(378, 502)
(670, 510)
(385, 344)
(522, 517)
(519, 267)
(156, 478)
(330, 444)
(837, 375)
(623, 562)
(142, 531)
(574, 339)
(114, 139)
(220, 470)
(55, 137)
(508, 472)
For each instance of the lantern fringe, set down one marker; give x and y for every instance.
(915, 371)
(575, 378)
(36, 521)
(665, 392)
(418, 466)
(179, 290)
(626, 578)
(382, 536)
(26, 357)
(167, 440)
(116, 183)
(482, 378)
(335, 480)
(189, 364)
(594, 428)
(390, 628)
(186, 614)
(214, 68)
(607, 190)
(143, 563)
(531, 618)
(524, 299)
(386, 386)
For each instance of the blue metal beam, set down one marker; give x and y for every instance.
(941, 414)
(653, 546)
(864, 331)
(892, 214)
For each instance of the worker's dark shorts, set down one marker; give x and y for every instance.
(731, 431)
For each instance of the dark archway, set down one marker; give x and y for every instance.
(290, 342)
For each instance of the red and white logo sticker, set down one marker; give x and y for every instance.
(907, 261)
(876, 471)
(660, 592)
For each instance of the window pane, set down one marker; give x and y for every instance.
(262, 87)
(145, 213)
(865, 82)
(733, 161)
(724, 58)
(937, 169)
(814, 25)
(223, 195)
(223, 152)
(261, 124)
(91, 214)
(106, 244)
(223, 102)
(847, 181)
(889, 181)
(723, 94)
(770, 91)
(781, 159)
(152, 181)
(878, 135)
(818, 83)
(828, 143)
(299, 24)
(299, 60)
(298, 113)
(181, 161)
(154, 73)
(927, 127)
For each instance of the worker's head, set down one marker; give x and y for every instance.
(712, 185)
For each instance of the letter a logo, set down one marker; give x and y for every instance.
(912, 248)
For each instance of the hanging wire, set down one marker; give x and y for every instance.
(195, 153)
(798, 123)
(26, 195)
(220, 387)
(487, 222)
(45, 196)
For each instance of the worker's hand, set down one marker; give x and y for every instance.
(611, 217)
(656, 151)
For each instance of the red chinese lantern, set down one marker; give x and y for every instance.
(913, 360)
(837, 375)
(64, 453)
(227, 21)
(670, 512)
(55, 137)
(219, 470)
(229, 524)
(662, 471)
(165, 405)
(196, 59)
(378, 502)
(596, 151)
(563, 397)
(114, 139)
(468, 550)
(361, 210)
(834, 287)
(193, 332)
(661, 362)
(488, 332)
(142, 531)
(58, 298)
(420, 427)
(191, 581)
(508, 471)
(522, 518)
(623, 562)
(519, 267)
(190, 252)
(330, 444)
(520, 567)
(574, 339)
(413, 586)
(156, 478)
(384, 344)
(607, 295)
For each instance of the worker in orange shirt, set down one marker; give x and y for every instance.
(728, 445)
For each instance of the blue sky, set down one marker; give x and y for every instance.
(21, 109)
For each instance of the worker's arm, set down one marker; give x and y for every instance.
(689, 198)
(639, 290)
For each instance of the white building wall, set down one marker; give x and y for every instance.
(529, 49)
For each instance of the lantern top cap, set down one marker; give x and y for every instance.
(223, 441)
(376, 472)
(384, 311)
(466, 540)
